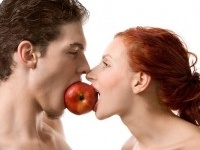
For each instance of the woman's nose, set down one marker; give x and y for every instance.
(89, 76)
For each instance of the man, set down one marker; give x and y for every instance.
(41, 53)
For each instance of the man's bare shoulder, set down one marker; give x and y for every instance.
(18, 145)
(33, 145)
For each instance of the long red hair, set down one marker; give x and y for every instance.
(163, 55)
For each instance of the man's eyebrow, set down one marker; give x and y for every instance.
(79, 45)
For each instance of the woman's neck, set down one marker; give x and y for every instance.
(147, 123)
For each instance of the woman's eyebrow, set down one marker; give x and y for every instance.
(106, 55)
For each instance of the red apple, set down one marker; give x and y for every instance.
(80, 98)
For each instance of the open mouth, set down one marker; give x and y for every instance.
(98, 95)
(95, 106)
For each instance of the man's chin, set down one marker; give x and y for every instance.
(54, 115)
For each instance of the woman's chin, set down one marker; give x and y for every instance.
(101, 116)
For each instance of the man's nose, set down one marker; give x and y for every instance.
(84, 66)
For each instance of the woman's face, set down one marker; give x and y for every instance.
(112, 79)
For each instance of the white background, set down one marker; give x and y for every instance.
(106, 18)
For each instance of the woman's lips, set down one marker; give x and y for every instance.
(96, 105)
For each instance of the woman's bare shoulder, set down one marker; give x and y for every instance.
(192, 143)
(129, 144)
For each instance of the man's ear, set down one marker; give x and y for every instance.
(140, 82)
(27, 54)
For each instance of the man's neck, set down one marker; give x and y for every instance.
(18, 113)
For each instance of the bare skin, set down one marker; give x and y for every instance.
(47, 136)
(188, 140)
(32, 101)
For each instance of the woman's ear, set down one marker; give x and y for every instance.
(140, 82)
(27, 54)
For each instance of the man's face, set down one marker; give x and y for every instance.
(63, 64)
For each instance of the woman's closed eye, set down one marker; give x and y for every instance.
(106, 61)
(105, 64)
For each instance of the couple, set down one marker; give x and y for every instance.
(144, 74)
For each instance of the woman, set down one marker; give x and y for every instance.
(144, 77)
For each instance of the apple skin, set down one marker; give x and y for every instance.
(80, 98)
